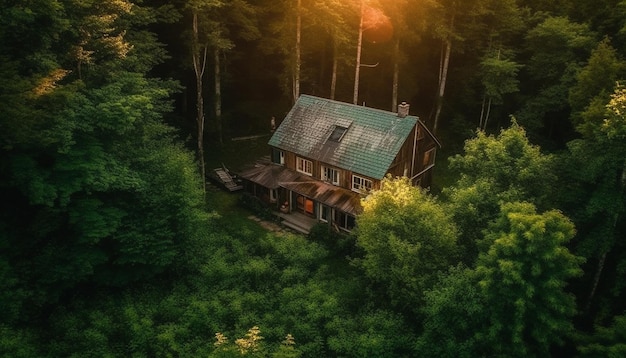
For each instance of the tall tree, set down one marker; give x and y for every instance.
(597, 165)
(496, 169)
(556, 46)
(523, 275)
(514, 302)
(91, 178)
(203, 28)
(406, 238)
(499, 77)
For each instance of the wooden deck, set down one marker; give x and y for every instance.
(298, 222)
(226, 179)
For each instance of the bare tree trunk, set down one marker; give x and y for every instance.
(487, 115)
(596, 279)
(198, 67)
(296, 83)
(443, 74)
(218, 94)
(396, 71)
(358, 57)
(442, 82)
(333, 80)
(482, 112)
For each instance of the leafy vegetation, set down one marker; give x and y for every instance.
(111, 246)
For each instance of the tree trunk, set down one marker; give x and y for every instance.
(442, 82)
(333, 80)
(218, 94)
(596, 279)
(198, 67)
(443, 74)
(487, 115)
(296, 81)
(482, 112)
(358, 57)
(396, 73)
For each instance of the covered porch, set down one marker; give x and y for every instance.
(300, 200)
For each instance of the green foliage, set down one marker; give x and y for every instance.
(594, 83)
(514, 303)
(499, 76)
(406, 238)
(523, 276)
(454, 311)
(605, 341)
(377, 333)
(495, 170)
(555, 48)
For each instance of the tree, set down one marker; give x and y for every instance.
(605, 341)
(203, 28)
(594, 84)
(598, 166)
(523, 275)
(406, 238)
(91, 178)
(454, 310)
(555, 46)
(493, 170)
(499, 77)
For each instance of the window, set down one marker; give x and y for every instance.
(324, 213)
(429, 159)
(330, 175)
(304, 166)
(337, 133)
(344, 221)
(361, 184)
(278, 156)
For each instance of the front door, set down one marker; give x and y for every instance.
(305, 205)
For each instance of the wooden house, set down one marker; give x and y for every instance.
(326, 155)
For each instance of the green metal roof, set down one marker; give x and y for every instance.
(368, 147)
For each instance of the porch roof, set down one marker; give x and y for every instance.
(274, 176)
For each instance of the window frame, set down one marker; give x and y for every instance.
(324, 175)
(304, 162)
(362, 183)
(343, 220)
(337, 134)
(430, 155)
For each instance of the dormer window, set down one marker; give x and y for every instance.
(338, 133)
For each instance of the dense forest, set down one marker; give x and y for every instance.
(111, 244)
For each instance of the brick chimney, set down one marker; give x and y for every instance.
(403, 110)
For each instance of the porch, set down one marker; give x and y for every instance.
(297, 221)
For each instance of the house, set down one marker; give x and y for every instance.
(326, 155)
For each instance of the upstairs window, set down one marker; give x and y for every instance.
(361, 184)
(278, 156)
(429, 159)
(330, 175)
(304, 166)
(338, 133)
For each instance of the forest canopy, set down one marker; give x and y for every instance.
(112, 244)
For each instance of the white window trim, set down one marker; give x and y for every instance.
(281, 157)
(331, 180)
(304, 162)
(362, 182)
